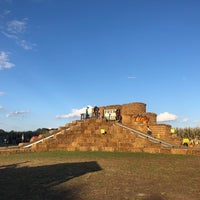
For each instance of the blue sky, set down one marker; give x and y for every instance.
(58, 56)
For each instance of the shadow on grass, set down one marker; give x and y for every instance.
(37, 182)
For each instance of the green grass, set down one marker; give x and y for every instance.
(90, 154)
(99, 175)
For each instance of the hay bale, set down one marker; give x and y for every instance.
(133, 108)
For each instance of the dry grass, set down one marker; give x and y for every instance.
(99, 175)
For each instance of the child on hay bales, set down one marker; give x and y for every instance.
(149, 132)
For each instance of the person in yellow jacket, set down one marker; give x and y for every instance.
(186, 142)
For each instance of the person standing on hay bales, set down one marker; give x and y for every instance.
(118, 116)
(96, 111)
(87, 113)
(149, 132)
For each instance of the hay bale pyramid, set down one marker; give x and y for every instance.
(104, 133)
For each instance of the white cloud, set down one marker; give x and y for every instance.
(15, 30)
(25, 44)
(4, 13)
(4, 61)
(185, 120)
(166, 117)
(11, 36)
(74, 113)
(16, 26)
(1, 108)
(16, 113)
(1, 93)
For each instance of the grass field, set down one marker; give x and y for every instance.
(99, 176)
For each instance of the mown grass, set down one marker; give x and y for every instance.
(91, 154)
(99, 175)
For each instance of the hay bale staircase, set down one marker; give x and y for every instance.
(85, 135)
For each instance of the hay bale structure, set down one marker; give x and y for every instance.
(88, 134)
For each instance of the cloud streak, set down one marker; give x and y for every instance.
(16, 113)
(25, 44)
(131, 77)
(2, 93)
(74, 113)
(163, 117)
(17, 26)
(15, 30)
(4, 61)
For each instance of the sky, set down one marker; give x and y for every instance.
(59, 56)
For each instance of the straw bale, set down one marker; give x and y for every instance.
(94, 148)
(151, 150)
(152, 117)
(110, 149)
(61, 128)
(84, 148)
(179, 151)
(125, 144)
(88, 131)
(165, 150)
(137, 149)
(133, 108)
(71, 148)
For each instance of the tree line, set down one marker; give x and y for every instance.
(16, 137)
